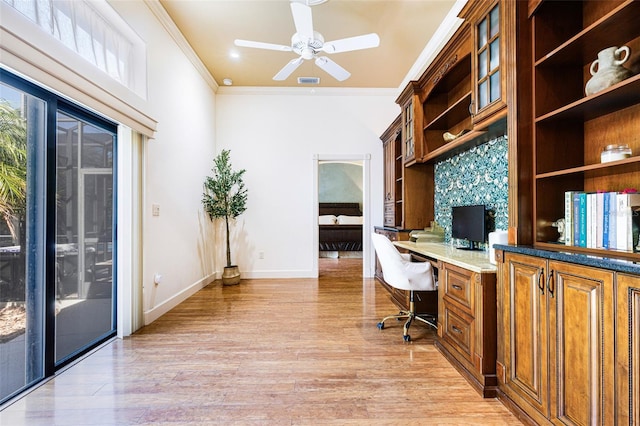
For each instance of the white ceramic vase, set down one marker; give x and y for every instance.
(607, 70)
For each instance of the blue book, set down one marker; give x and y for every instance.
(576, 219)
(605, 219)
(613, 219)
(583, 220)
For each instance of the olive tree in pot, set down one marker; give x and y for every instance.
(225, 197)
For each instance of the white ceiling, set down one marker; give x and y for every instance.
(404, 26)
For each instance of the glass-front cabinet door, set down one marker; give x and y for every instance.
(488, 75)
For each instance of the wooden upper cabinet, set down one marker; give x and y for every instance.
(393, 173)
(445, 98)
(487, 21)
(411, 123)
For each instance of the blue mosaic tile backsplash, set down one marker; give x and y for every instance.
(477, 176)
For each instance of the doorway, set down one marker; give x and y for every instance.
(342, 179)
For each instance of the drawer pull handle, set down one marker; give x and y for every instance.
(456, 287)
(456, 329)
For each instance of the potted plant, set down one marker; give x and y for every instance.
(225, 197)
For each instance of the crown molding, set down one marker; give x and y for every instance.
(168, 24)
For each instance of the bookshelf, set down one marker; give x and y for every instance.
(570, 129)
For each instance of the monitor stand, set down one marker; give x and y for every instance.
(472, 246)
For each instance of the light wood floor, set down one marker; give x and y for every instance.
(267, 352)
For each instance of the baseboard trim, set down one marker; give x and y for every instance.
(156, 312)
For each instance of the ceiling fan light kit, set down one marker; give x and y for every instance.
(308, 43)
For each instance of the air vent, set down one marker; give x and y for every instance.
(308, 80)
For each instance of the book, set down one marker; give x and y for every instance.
(613, 206)
(605, 219)
(576, 219)
(591, 220)
(621, 221)
(599, 219)
(582, 240)
(568, 217)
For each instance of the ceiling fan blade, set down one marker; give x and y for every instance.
(260, 45)
(366, 41)
(333, 69)
(303, 20)
(288, 69)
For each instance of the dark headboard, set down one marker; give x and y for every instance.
(347, 209)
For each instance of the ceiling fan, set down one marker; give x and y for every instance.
(309, 43)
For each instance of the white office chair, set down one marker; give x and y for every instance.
(400, 272)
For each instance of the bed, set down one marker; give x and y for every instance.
(340, 227)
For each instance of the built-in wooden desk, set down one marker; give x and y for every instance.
(466, 310)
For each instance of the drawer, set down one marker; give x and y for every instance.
(458, 331)
(458, 285)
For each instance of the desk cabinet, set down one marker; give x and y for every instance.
(467, 324)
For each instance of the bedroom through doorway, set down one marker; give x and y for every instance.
(340, 212)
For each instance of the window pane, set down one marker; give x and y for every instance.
(483, 94)
(495, 54)
(482, 33)
(22, 151)
(494, 16)
(482, 64)
(495, 86)
(84, 235)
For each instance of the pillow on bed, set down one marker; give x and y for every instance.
(327, 219)
(349, 220)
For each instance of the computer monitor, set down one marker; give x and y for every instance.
(469, 223)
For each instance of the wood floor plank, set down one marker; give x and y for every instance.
(267, 352)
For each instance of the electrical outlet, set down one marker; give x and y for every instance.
(261, 255)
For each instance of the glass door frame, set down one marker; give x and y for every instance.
(43, 227)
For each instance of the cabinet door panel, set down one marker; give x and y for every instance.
(526, 343)
(628, 350)
(580, 306)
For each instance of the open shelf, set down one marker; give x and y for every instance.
(454, 114)
(611, 99)
(599, 166)
(615, 28)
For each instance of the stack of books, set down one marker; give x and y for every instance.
(600, 220)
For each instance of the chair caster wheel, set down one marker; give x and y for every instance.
(407, 338)
(380, 325)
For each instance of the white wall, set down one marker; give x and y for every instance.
(178, 244)
(274, 135)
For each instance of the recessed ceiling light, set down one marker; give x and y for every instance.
(234, 54)
(227, 82)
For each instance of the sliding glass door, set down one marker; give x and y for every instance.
(22, 254)
(84, 235)
(57, 233)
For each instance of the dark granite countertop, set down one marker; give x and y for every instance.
(617, 265)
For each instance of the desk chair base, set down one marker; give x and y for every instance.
(410, 315)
